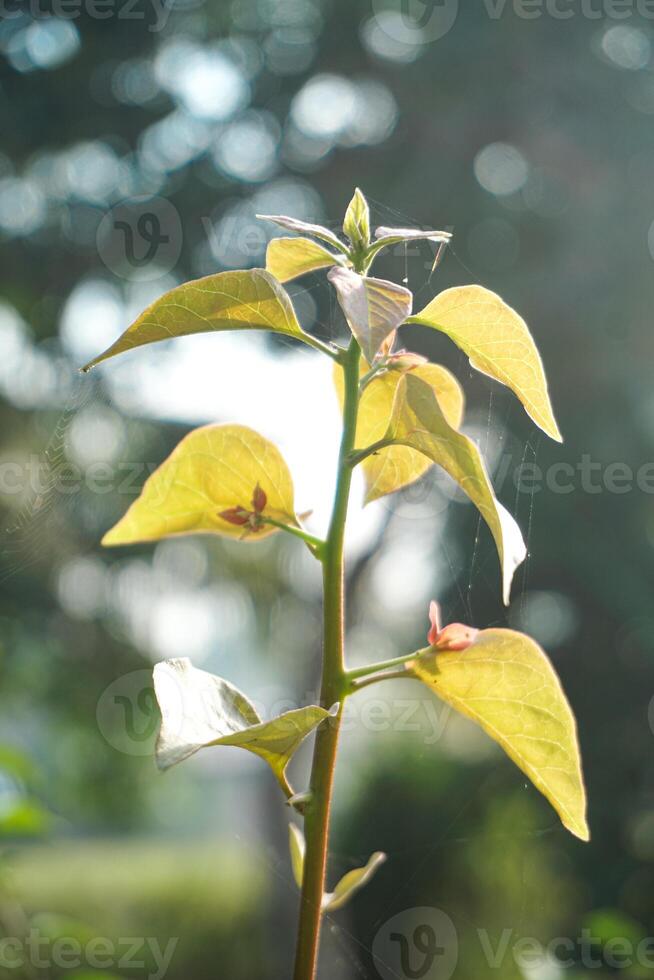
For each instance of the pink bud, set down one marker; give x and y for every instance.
(455, 636)
(435, 620)
(405, 360)
(235, 515)
(259, 499)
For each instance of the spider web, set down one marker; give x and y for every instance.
(22, 537)
(478, 572)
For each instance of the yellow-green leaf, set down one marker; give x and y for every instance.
(356, 223)
(418, 421)
(505, 683)
(242, 300)
(373, 308)
(199, 710)
(297, 846)
(498, 343)
(395, 467)
(213, 469)
(288, 258)
(351, 883)
(305, 228)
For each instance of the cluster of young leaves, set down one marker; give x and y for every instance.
(229, 480)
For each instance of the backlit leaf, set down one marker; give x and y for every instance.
(498, 343)
(213, 469)
(395, 467)
(297, 846)
(394, 236)
(418, 421)
(373, 308)
(351, 883)
(242, 300)
(287, 258)
(305, 228)
(356, 223)
(505, 683)
(199, 710)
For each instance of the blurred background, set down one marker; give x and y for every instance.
(138, 142)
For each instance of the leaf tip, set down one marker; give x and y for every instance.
(578, 828)
(576, 821)
(114, 537)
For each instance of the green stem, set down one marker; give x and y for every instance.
(357, 457)
(388, 675)
(372, 373)
(333, 689)
(357, 672)
(315, 544)
(333, 352)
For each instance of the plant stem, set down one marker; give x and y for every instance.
(358, 672)
(388, 675)
(357, 457)
(317, 344)
(333, 689)
(315, 544)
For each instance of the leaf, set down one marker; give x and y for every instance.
(498, 343)
(25, 817)
(351, 883)
(287, 258)
(199, 710)
(395, 467)
(17, 763)
(373, 308)
(393, 236)
(356, 223)
(297, 846)
(242, 300)
(390, 236)
(505, 683)
(213, 470)
(419, 422)
(305, 228)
